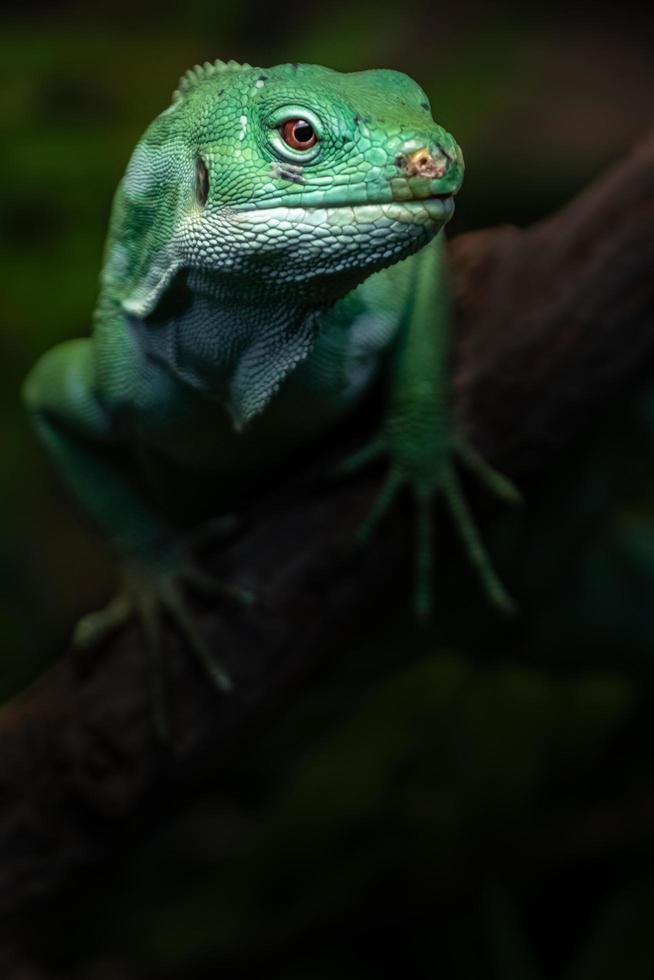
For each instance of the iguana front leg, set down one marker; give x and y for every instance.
(70, 419)
(417, 435)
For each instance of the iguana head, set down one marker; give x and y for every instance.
(305, 178)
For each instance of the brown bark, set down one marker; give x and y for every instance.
(555, 325)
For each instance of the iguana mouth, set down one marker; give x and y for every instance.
(430, 198)
(445, 197)
(436, 207)
(413, 193)
(415, 210)
(378, 202)
(443, 202)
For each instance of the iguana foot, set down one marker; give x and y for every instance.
(428, 477)
(214, 531)
(155, 590)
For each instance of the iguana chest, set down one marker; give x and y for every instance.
(177, 416)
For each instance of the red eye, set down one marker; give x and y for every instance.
(298, 134)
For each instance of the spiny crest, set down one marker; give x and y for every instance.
(200, 73)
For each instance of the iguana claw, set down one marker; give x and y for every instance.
(150, 593)
(426, 483)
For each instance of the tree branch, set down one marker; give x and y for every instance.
(554, 326)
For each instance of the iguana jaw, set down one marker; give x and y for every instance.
(423, 192)
(438, 209)
(438, 203)
(428, 210)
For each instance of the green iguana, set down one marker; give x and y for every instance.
(274, 245)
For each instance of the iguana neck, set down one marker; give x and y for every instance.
(230, 339)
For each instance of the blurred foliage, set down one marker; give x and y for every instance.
(472, 801)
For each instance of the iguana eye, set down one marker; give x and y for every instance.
(298, 134)
(201, 182)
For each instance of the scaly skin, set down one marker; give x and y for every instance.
(251, 292)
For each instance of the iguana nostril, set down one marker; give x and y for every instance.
(421, 163)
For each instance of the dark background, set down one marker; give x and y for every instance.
(474, 801)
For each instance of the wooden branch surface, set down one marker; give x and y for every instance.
(555, 325)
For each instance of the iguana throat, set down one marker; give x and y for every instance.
(230, 346)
